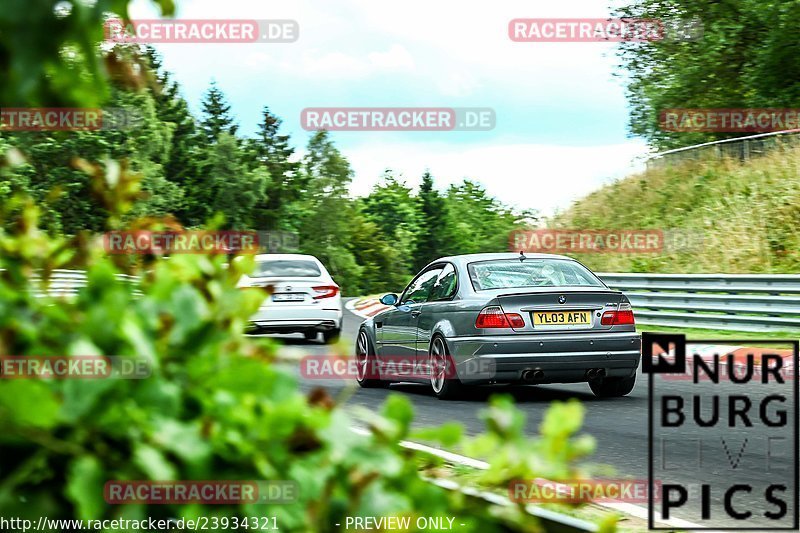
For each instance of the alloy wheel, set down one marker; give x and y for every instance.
(438, 364)
(362, 356)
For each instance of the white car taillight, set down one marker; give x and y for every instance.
(325, 291)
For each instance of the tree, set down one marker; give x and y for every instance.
(232, 189)
(384, 264)
(479, 222)
(393, 208)
(272, 151)
(742, 59)
(391, 205)
(217, 118)
(435, 239)
(64, 192)
(325, 211)
(181, 165)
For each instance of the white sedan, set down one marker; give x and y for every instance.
(304, 298)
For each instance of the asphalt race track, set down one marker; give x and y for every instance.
(619, 425)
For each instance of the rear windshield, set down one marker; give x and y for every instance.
(516, 274)
(287, 268)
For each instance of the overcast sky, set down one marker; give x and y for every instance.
(561, 114)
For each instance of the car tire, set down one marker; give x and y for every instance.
(332, 335)
(367, 374)
(440, 365)
(310, 335)
(613, 387)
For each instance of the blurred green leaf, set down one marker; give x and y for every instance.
(29, 403)
(85, 486)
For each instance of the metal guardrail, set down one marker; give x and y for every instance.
(738, 302)
(67, 282)
(742, 148)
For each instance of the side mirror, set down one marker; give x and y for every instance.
(390, 299)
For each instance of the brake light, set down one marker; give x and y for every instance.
(325, 291)
(621, 317)
(494, 317)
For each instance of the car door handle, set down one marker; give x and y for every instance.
(415, 314)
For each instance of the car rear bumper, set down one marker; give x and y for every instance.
(287, 319)
(561, 358)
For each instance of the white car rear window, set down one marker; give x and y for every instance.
(287, 268)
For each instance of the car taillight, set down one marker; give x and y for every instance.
(494, 317)
(325, 291)
(621, 317)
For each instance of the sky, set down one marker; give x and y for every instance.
(561, 113)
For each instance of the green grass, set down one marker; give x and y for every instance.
(716, 334)
(745, 215)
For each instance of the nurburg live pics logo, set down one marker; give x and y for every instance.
(723, 445)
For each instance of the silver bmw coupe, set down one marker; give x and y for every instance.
(502, 318)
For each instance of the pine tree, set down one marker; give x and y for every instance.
(434, 238)
(217, 113)
(181, 165)
(232, 189)
(272, 151)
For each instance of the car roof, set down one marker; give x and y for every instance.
(471, 258)
(272, 257)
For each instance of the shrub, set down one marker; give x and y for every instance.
(217, 406)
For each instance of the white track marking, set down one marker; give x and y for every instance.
(622, 507)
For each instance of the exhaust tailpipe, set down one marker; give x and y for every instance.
(595, 373)
(530, 374)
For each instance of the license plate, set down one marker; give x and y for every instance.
(288, 297)
(562, 318)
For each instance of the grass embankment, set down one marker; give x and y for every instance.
(747, 214)
(693, 334)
